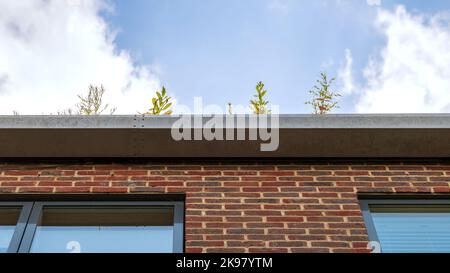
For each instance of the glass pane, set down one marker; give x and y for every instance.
(105, 230)
(8, 222)
(414, 232)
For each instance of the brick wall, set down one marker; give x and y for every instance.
(277, 206)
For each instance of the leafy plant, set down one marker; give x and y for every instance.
(161, 104)
(92, 104)
(324, 100)
(259, 104)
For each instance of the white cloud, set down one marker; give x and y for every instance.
(412, 73)
(51, 50)
(345, 74)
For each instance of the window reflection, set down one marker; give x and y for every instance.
(105, 230)
(8, 222)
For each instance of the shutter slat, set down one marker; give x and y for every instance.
(413, 232)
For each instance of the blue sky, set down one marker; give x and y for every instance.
(219, 49)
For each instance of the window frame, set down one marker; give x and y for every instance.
(367, 214)
(25, 210)
(31, 213)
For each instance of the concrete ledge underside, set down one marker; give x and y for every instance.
(301, 136)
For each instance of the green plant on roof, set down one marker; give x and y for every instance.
(259, 105)
(92, 104)
(324, 100)
(161, 104)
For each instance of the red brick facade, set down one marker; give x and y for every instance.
(279, 206)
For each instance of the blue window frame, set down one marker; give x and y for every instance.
(92, 227)
(408, 226)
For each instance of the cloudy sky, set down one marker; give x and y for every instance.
(389, 56)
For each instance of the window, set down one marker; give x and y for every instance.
(402, 226)
(13, 218)
(91, 227)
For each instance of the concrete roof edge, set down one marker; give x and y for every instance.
(347, 121)
(300, 136)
